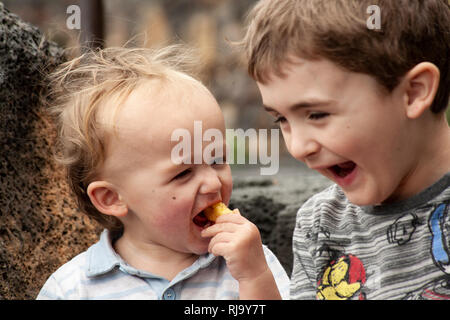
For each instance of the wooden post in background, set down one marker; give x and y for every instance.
(92, 24)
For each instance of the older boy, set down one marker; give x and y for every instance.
(117, 109)
(364, 107)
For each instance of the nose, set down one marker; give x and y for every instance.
(210, 181)
(302, 146)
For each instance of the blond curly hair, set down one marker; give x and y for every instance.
(82, 89)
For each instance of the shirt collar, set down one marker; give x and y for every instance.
(420, 199)
(101, 256)
(102, 259)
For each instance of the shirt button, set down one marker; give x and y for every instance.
(169, 294)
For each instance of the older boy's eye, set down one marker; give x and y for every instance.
(219, 161)
(182, 174)
(317, 115)
(280, 120)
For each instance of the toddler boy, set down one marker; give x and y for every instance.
(117, 109)
(365, 107)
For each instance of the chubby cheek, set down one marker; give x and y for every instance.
(172, 214)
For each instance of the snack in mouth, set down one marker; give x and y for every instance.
(216, 210)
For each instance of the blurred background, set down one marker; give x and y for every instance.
(209, 25)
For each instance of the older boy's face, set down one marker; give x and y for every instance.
(164, 197)
(344, 126)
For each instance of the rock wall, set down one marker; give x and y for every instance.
(40, 226)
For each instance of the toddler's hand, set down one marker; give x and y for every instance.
(239, 242)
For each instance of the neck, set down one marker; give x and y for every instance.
(152, 257)
(432, 160)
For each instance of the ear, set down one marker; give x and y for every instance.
(106, 199)
(421, 84)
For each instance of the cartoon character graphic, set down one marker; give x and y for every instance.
(440, 241)
(402, 229)
(439, 225)
(342, 279)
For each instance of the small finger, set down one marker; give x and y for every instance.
(235, 217)
(223, 237)
(220, 249)
(218, 228)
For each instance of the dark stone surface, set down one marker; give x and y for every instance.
(39, 229)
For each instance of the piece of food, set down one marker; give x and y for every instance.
(216, 210)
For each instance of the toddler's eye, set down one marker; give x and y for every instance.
(317, 115)
(182, 174)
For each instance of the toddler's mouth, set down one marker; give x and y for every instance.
(201, 220)
(342, 170)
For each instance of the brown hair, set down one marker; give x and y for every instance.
(83, 87)
(411, 32)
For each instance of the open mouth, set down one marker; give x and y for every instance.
(342, 170)
(201, 220)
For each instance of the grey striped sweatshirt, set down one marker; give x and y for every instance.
(394, 251)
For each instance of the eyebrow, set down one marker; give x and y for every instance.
(302, 104)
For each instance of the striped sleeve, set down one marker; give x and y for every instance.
(51, 290)
(64, 283)
(280, 275)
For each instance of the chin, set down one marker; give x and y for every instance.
(362, 199)
(199, 250)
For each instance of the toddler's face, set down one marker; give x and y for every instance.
(344, 126)
(163, 198)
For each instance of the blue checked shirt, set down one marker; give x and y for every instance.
(100, 273)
